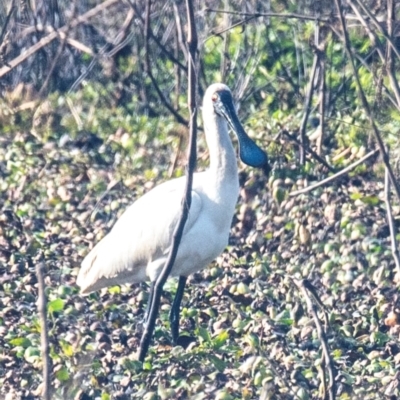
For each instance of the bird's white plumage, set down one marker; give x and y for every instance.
(137, 247)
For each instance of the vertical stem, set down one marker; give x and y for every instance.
(391, 67)
(364, 101)
(177, 71)
(8, 19)
(187, 197)
(307, 106)
(226, 35)
(164, 99)
(44, 337)
(393, 241)
(322, 87)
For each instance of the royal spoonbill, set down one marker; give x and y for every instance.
(137, 247)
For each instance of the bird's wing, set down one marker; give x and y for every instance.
(142, 234)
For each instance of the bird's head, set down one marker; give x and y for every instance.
(220, 96)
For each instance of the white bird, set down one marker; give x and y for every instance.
(137, 247)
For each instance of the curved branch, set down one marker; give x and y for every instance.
(187, 199)
(333, 177)
(364, 101)
(149, 71)
(53, 35)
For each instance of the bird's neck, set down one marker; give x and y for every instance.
(222, 181)
(223, 162)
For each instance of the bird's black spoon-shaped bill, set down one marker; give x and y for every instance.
(249, 152)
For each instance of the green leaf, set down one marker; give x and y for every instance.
(269, 235)
(204, 334)
(115, 289)
(286, 321)
(379, 338)
(147, 366)
(221, 339)
(337, 354)
(217, 362)
(289, 226)
(66, 348)
(62, 375)
(356, 196)
(55, 306)
(253, 340)
(370, 200)
(23, 342)
(32, 354)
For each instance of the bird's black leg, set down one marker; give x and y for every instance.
(150, 321)
(149, 301)
(176, 305)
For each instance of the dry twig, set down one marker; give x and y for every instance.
(157, 40)
(307, 107)
(53, 35)
(42, 306)
(121, 39)
(304, 286)
(322, 100)
(393, 241)
(4, 34)
(390, 65)
(187, 200)
(271, 14)
(333, 177)
(308, 150)
(364, 101)
(149, 71)
(374, 39)
(377, 24)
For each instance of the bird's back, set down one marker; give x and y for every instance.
(140, 233)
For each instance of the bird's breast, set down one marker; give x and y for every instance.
(209, 236)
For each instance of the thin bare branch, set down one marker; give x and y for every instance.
(284, 70)
(308, 150)
(366, 65)
(4, 35)
(271, 14)
(149, 71)
(364, 101)
(62, 35)
(158, 42)
(187, 199)
(120, 40)
(318, 300)
(390, 64)
(378, 47)
(333, 177)
(179, 31)
(230, 27)
(7, 21)
(372, 71)
(53, 35)
(54, 62)
(377, 25)
(42, 309)
(307, 108)
(393, 240)
(304, 286)
(322, 99)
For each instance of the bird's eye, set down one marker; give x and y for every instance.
(214, 97)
